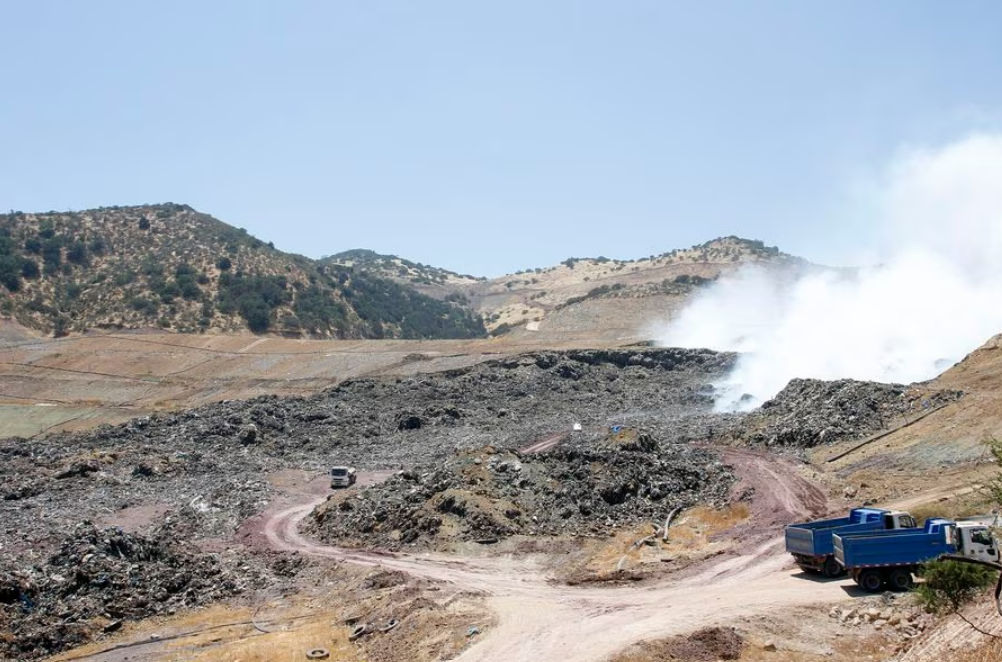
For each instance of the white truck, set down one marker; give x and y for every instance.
(878, 559)
(342, 476)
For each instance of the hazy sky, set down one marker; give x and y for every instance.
(488, 137)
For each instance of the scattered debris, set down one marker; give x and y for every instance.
(203, 472)
(96, 580)
(810, 412)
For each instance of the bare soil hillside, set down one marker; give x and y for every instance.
(941, 446)
(79, 382)
(617, 297)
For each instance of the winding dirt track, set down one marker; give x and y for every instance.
(540, 619)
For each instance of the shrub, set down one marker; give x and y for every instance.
(951, 584)
(52, 254)
(144, 305)
(995, 484)
(77, 253)
(10, 272)
(30, 270)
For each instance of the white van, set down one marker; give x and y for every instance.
(342, 476)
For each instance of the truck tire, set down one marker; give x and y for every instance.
(871, 581)
(900, 580)
(832, 568)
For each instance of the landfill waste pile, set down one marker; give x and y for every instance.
(541, 444)
(486, 495)
(811, 412)
(97, 579)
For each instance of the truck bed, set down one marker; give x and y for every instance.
(904, 547)
(815, 541)
(815, 538)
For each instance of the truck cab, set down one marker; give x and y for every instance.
(889, 558)
(342, 476)
(899, 520)
(975, 541)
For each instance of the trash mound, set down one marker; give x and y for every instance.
(810, 412)
(94, 582)
(486, 495)
(215, 458)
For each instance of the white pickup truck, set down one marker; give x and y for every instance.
(342, 476)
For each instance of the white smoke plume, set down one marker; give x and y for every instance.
(935, 295)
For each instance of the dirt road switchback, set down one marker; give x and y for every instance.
(540, 619)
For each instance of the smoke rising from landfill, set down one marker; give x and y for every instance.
(935, 294)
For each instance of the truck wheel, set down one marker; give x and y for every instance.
(870, 581)
(900, 580)
(832, 567)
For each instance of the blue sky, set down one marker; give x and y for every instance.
(489, 137)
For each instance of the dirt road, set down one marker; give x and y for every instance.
(540, 619)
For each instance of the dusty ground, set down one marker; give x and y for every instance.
(781, 614)
(533, 617)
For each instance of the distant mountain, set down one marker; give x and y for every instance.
(399, 269)
(172, 267)
(579, 294)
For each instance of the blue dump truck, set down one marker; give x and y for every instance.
(879, 559)
(811, 542)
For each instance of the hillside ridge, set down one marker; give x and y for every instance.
(171, 267)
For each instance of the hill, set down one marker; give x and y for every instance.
(580, 297)
(168, 266)
(171, 267)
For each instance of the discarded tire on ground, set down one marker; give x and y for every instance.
(360, 630)
(317, 654)
(390, 624)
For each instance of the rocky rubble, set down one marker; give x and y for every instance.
(214, 460)
(624, 420)
(579, 488)
(893, 614)
(809, 412)
(96, 580)
(208, 469)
